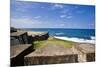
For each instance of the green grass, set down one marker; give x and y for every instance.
(52, 41)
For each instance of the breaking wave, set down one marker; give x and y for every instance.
(59, 33)
(80, 40)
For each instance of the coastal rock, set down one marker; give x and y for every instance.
(19, 38)
(37, 36)
(12, 29)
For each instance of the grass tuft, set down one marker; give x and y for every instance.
(52, 41)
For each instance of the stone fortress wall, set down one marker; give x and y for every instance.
(21, 54)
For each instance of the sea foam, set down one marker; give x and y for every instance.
(80, 40)
(59, 33)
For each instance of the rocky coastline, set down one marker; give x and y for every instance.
(23, 52)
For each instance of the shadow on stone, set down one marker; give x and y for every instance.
(19, 60)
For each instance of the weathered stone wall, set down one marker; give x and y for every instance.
(42, 36)
(79, 54)
(21, 39)
(12, 29)
(50, 59)
(19, 59)
(90, 57)
(14, 41)
(83, 54)
(24, 38)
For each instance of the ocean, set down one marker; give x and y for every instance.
(77, 35)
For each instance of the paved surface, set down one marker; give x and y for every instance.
(86, 48)
(17, 33)
(52, 50)
(17, 49)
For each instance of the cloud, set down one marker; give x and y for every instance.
(57, 6)
(62, 16)
(24, 22)
(62, 25)
(17, 6)
(22, 6)
(92, 24)
(37, 17)
(65, 11)
(80, 12)
(42, 7)
(66, 16)
(21, 20)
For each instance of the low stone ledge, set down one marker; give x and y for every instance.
(86, 52)
(51, 54)
(18, 52)
(17, 49)
(37, 60)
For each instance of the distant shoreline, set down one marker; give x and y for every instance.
(76, 40)
(55, 28)
(73, 39)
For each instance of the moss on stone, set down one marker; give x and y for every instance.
(52, 41)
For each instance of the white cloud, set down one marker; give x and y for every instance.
(23, 6)
(92, 24)
(62, 24)
(24, 22)
(57, 6)
(62, 16)
(68, 17)
(21, 20)
(80, 12)
(65, 11)
(42, 7)
(37, 17)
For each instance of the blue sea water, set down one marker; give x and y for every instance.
(73, 33)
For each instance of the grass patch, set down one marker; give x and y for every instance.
(52, 41)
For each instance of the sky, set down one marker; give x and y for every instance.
(51, 15)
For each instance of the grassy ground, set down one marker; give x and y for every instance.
(52, 40)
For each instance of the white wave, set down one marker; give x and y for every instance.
(80, 40)
(59, 33)
(93, 37)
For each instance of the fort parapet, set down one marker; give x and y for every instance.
(51, 54)
(23, 53)
(86, 52)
